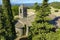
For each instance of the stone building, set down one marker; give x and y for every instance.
(26, 17)
(24, 22)
(22, 11)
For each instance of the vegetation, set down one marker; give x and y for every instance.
(2, 30)
(7, 22)
(36, 7)
(56, 10)
(55, 5)
(41, 28)
(15, 10)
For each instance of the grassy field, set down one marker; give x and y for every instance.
(55, 13)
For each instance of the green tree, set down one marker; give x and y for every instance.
(2, 30)
(15, 10)
(41, 26)
(8, 20)
(36, 7)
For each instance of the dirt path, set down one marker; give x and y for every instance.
(22, 38)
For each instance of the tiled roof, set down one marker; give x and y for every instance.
(18, 25)
(25, 21)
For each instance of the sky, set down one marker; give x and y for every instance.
(28, 1)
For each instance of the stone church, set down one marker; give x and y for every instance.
(24, 22)
(26, 17)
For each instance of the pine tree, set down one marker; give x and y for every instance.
(36, 7)
(41, 26)
(8, 20)
(2, 30)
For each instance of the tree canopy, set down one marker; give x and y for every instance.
(41, 29)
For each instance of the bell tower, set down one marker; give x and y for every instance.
(22, 11)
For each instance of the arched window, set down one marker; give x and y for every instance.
(20, 11)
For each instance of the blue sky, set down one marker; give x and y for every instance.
(28, 1)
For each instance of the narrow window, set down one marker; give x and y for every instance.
(20, 11)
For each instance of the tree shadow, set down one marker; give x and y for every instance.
(15, 21)
(54, 21)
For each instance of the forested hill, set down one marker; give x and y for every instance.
(55, 4)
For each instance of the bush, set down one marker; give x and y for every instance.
(56, 11)
(16, 17)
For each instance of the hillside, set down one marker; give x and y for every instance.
(55, 4)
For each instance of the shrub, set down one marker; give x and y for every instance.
(56, 11)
